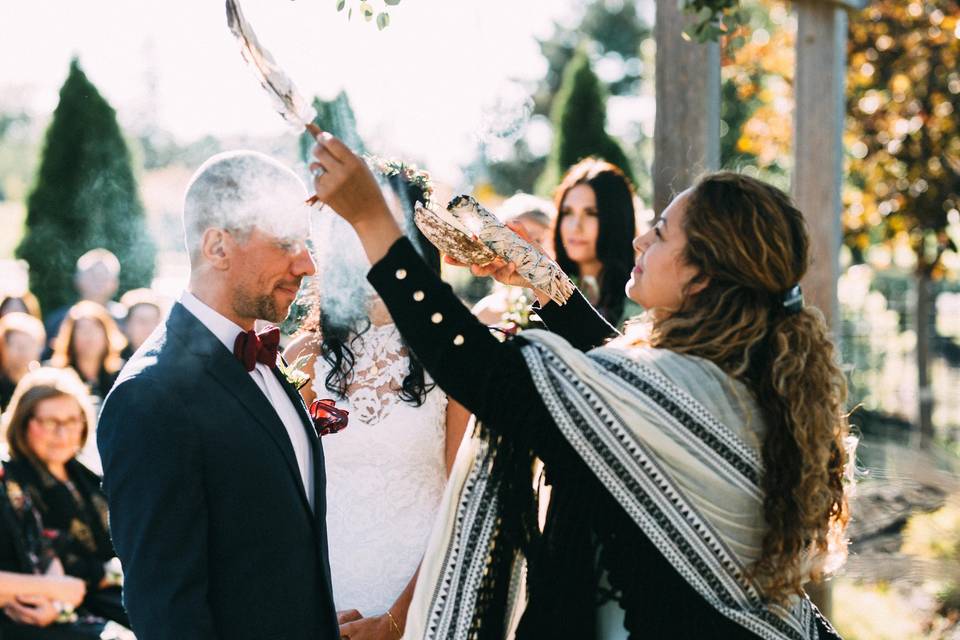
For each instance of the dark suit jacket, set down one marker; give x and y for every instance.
(208, 512)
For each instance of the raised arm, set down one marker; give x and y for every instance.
(153, 480)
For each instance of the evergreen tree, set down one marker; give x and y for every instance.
(579, 122)
(335, 116)
(85, 196)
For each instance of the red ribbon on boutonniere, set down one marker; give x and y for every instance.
(327, 418)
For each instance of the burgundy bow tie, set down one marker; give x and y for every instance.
(251, 347)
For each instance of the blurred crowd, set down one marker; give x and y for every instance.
(59, 577)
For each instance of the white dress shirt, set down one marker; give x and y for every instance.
(226, 332)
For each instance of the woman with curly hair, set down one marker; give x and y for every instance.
(697, 464)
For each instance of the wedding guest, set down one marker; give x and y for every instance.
(46, 427)
(535, 215)
(97, 279)
(144, 314)
(90, 343)
(698, 465)
(24, 302)
(386, 472)
(592, 235)
(21, 343)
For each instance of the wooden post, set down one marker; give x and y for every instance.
(818, 170)
(687, 129)
(818, 144)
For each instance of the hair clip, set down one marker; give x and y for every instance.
(793, 300)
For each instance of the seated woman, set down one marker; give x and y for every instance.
(697, 464)
(21, 342)
(89, 342)
(46, 426)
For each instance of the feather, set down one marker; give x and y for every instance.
(286, 99)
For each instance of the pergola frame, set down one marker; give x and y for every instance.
(687, 131)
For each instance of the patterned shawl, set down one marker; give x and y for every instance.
(673, 439)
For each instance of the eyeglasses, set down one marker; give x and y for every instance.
(52, 425)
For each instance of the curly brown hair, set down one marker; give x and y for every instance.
(750, 246)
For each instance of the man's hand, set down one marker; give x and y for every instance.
(36, 611)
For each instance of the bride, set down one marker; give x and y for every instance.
(386, 472)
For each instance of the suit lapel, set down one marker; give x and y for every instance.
(319, 467)
(224, 367)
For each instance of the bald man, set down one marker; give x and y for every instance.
(212, 468)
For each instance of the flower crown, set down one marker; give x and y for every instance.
(407, 172)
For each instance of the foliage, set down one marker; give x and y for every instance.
(613, 34)
(903, 99)
(337, 117)
(714, 18)
(85, 197)
(579, 121)
(367, 11)
(756, 109)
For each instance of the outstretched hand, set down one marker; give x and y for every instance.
(343, 181)
(503, 271)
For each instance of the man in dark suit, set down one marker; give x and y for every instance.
(212, 469)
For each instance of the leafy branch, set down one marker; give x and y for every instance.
(367, 11)
(714, 18)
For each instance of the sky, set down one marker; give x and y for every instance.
(427, 87)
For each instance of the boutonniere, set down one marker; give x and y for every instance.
(327, 418)
(294, 373)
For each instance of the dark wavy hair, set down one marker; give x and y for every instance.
(615, 210)
(337, 339)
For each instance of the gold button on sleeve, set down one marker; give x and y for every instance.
(418, 296)
(458, 340)
(436, 318)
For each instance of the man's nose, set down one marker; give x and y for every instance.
(303, 264)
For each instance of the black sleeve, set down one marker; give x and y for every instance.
(153, 480)
(576, 321)
(488, 377)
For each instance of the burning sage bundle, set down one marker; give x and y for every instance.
(470, 234)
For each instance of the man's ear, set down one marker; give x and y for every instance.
(215, 246)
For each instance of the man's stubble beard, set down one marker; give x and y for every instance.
(262, 307)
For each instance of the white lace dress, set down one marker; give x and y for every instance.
(385, 475)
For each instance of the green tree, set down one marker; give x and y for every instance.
(337, 117)
(579, 120)
(85, 196)
(903, 101)
(613, 33)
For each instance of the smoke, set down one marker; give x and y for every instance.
(342, 265)
(243, 190)
(504, 120)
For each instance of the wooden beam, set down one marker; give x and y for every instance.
(818, 144)
(687, 128)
